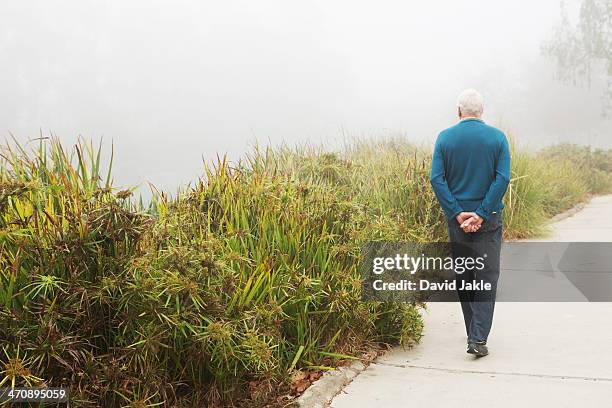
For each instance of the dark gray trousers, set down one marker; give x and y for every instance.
(478, 305)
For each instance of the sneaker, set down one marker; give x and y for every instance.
(477, 349)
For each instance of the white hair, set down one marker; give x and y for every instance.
(470, 102)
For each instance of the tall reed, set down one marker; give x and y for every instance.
(219, 295)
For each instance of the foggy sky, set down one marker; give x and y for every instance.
(172, 82)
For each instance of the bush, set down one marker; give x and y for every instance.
(209, 298)
(594, 166)
(216, 296)
(550, 182)
(66, 241)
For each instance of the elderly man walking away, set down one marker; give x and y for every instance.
(470, 175)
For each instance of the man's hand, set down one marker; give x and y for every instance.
(469, 222)
(461, 218)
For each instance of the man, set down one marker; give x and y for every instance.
(470, 175)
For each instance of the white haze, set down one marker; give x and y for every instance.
(173, 82)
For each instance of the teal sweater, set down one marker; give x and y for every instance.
(470, 170)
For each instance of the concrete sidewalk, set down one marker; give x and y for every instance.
(542, 354)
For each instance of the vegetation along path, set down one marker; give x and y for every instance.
(542, 354)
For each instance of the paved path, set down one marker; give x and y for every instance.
(542, 354)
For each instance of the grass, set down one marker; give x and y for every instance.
(550, 182)
(220, 295)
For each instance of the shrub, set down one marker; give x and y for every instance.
(210, 298)
(594, 165)
(215, 296)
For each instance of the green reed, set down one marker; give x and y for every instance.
(217, 295)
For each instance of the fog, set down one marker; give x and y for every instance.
(170, 83)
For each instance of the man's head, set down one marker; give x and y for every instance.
(470, 104)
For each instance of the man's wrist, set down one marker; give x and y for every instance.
(481, 214)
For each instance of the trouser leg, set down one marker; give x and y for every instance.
(460, 248)
(466, 298)
(482, 307)
(483, 300)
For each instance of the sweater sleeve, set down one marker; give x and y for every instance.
(438, 181)
(498, 188)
